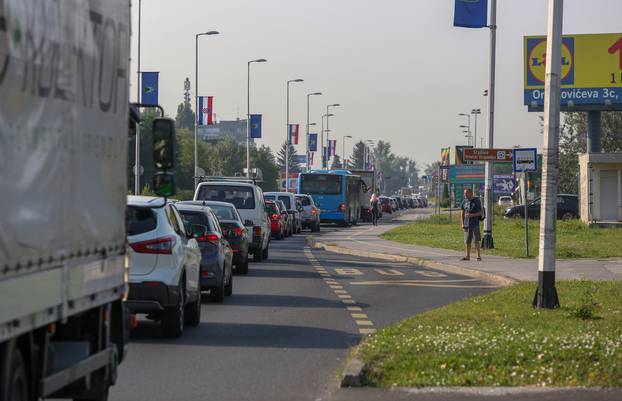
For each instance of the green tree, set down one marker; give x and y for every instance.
(185, 116)
(573, 141)
(358, 155)
(294, 167)
(263, 158)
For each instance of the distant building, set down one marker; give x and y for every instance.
(222, 129)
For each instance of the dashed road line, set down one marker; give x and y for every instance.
(362, 321)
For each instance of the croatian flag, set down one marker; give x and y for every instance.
(205, 110)
(293, 133)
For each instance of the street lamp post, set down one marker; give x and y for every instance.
(475, 112)
(468, 134)
(196, 98)
(288, 139)
(343, 150)
(308, 96)
(322, 140)
(248, 114)
(468, 126)
(137, 148)
(327, 129)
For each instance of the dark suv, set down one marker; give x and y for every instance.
(567, 208)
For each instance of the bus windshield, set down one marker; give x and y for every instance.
(323, 184)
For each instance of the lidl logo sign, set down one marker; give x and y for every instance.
(536, 61)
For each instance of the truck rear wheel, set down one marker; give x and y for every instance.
(13, 377)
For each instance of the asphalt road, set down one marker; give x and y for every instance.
(286, 331)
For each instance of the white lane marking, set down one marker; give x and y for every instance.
(336, 287)
(344, 296)
(348, 272)
(359, 316)
(364, 322)
(366, 331)
(348, 301)
(354, 308)
(340, 291)
(429, 273)
(389, 272)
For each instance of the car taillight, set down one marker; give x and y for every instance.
(235, 232)
(342, 207)
(209, 238)
(163, 245)
(313, 211)
(275, 216)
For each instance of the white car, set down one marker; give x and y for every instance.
(505, 201)
(164, 265)
(248, 199)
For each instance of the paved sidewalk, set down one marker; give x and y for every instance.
(364, 240)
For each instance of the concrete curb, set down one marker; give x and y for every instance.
(496, 279)
(353, 372)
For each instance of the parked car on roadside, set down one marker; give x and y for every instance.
(310, 212)
(289, 200)
(248, 199)
(567, 208)
(164, 265)
(505, 201)
(394, 205)
(278, 222)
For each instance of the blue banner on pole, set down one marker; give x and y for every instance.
(312, 142)
(471, 13)
(149, 89)
(255, 125)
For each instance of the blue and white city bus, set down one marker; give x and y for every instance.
(336, 192)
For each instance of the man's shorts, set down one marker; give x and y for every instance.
(472, 233)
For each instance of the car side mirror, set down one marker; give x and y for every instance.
(248, 223)
(198, 230)
(164, 184)
(163, 131)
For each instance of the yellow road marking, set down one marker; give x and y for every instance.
(419, 283)
(348, 272)
(389, 272)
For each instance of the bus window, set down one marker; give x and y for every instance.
(322, 184)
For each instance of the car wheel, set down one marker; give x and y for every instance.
(229, 286)
(265, 252)
(13, 376)
(567, 216)
(193, 312)
(172, 323)
(258, 256)
(242, 267)
(218, 293)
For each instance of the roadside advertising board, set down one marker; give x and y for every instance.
(445, 162)
(485, 154)
(467, 174)
(591, 71)
(503, 184)
(525, 160)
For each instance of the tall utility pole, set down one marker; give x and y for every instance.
(308, 96)
(196, 98)
(546, 294)
(487, 240)
(248, 114)
(287, 143)
(137, 149)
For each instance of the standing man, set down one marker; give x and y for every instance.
(471, 215)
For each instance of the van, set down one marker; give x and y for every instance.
(248, 199)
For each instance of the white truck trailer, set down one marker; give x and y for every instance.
(64, 71)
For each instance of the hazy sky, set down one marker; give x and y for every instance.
(399, 68)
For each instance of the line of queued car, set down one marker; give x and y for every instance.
(179, 250)
(390, 204)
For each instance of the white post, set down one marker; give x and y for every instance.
(546, 294)
(137, 148)
(487, 240)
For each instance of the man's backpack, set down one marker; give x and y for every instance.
(482, 217)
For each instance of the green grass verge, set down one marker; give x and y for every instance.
(574, 239)
(500, 340)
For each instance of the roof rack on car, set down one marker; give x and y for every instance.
(205, 178)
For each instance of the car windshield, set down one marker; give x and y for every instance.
(242, 197)
(304, 200)
(224, 212)
(193, 217)
(322, 184)
(140, 220)
(286, 200)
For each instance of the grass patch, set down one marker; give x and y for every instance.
(499, 340)
(574, 239)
